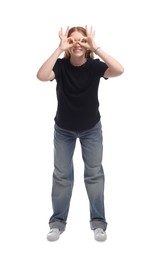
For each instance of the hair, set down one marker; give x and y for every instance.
(88, 54)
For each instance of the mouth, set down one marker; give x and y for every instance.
(77, 49)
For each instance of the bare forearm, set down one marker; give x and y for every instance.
(45, 72)
(114, 67)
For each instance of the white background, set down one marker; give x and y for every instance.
(29, 34)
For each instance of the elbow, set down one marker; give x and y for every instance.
(38, 75)
(121, 71)
(41, 77)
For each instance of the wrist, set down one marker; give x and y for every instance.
(96, 49)
(60, 49)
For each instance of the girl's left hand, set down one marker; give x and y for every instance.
(88, 41)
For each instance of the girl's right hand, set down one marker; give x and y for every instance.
(66, 42)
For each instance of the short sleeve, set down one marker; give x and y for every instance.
(56, 68)
(100, 67)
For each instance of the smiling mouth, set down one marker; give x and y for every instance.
(77, 49)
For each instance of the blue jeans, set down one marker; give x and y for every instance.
(63, 175)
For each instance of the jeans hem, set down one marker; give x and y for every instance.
(57, 224)
(98, 224)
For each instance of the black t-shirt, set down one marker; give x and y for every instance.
(77, 93)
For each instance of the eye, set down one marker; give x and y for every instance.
(70, 41)
(83, 40)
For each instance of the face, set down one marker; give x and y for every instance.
(77, 50)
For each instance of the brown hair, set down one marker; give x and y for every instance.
(88, 54)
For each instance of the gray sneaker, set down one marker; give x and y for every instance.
(53, 235)
(100, 234)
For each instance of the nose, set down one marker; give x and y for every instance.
(77, 43)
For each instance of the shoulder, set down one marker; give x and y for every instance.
(64, 61)
(98, 66)
(60, 63)
(96, 62)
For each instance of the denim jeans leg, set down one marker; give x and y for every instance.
(92, 150)
(63, 177)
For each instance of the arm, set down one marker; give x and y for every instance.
(114, 67)
(46, 73)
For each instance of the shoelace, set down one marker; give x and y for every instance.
(99, 231)
(54, 230)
